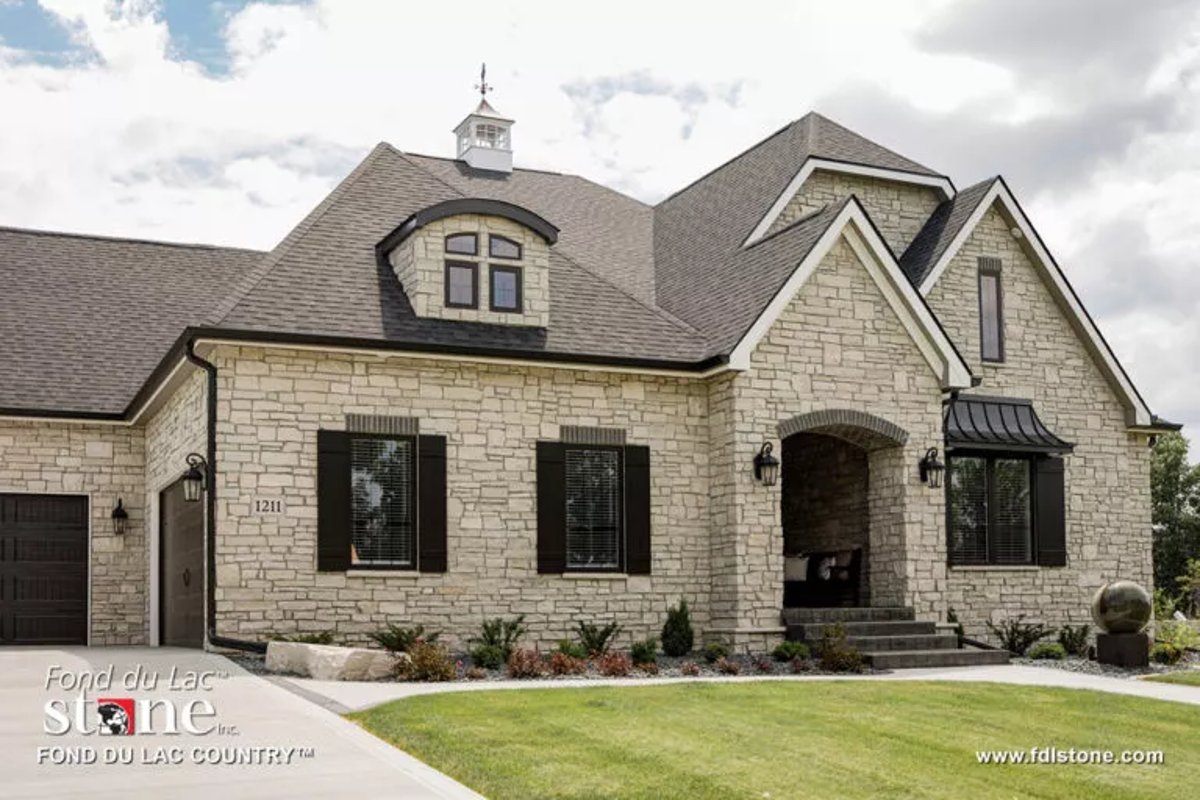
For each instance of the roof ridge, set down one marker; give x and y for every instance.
(722, 165)
(274, 256)
(824, 119)
(98, 237)
(447, 158)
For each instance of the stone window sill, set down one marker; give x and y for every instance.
(595, 576)
(382, 573)
(995, 567)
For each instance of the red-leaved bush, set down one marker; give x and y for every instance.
(614, 665)
(563, 664)
(526, 663)
(690, 668)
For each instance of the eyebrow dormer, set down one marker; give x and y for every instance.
(474, 260)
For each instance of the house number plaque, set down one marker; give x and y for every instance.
(268, 507)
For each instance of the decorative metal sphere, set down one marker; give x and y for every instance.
(1122, 607)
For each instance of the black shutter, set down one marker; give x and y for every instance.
(333, 501)
(1050, 514)
(637, 510)
(551, 508)
(431, 504)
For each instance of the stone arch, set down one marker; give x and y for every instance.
(856, 427)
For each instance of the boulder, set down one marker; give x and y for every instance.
(328, 662)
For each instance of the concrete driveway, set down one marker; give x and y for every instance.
(212, 730)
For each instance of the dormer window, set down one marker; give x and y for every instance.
(462, 284)
(506, 289)
(500, 247)
(463, 244)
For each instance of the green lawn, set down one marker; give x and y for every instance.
(1191, 678)
(788, 740)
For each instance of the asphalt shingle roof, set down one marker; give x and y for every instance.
(939, 231)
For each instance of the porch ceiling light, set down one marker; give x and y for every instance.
(195, 480)
(120, 518)
(766, 466)
(931, 469)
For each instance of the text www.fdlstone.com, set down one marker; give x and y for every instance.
(1053, 755)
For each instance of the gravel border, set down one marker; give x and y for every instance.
(1082, 665)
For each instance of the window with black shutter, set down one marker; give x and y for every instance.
(997, 512)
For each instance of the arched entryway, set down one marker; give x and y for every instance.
(842, 509)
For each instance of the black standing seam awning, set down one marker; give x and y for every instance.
(998, 423)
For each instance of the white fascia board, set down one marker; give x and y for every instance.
(1056, 281)
(916, 317)
(811, 164)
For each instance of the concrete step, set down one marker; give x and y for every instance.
(936, 641)
(796, 616)
(911, 659)
(809, 632)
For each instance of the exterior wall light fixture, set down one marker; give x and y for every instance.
(766, 466)
(931, 469)
(195, 480)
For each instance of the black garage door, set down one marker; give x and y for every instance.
(43, 569)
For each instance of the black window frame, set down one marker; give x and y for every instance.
(991, 268)
(990, 457)
(512, 269)
(453, 264)
(492, 237)
(622, 526)
(474, 243)
(415, 503)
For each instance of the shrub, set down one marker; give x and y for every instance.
(595, 639)
(1074, 640)
(614, 665)
(1017, 636)
(650, 668)
(1163, 653)
(801, 665)
(1178, 633)
(677, 637)
(764, 665)
(572, 649)
(428, 662)
(690, 669)
(1189, 587)
(502, 634)
(726, 667)
(714, 651)
(488, 656)
(322, 637)
(644, 652)
(1165, 604)
(396, 639)
(952, 618)
(1048, 651)
(526, 663)
(564, 664)
(786, 651)
(475, 674)
(836, 654)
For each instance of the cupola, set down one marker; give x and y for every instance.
(485, 138)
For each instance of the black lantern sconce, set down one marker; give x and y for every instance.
(120, 518)
(766, 466)
(931, 469)
(195, 480)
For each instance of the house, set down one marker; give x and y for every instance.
(820, 375)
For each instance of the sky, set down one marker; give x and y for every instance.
(227, 121)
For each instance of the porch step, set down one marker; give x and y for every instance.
(810, 632)
(910, 659)
(795, 616)
(937, 641)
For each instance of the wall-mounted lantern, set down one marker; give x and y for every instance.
(195, 480)
(120, 518)
(931, 469)
(766, 466)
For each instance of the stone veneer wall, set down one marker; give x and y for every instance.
(103, 462)
(899, 209)
(271, 404)
(419, 263)
(1107, 476)
(838, 345)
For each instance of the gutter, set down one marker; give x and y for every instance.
(210, 516)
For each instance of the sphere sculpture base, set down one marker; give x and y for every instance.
(1123, 649)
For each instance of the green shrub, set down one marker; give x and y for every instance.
(786, 651)
(596, 639)
(726, 667)
(1017, 636)
(677, 637)
(836, 654)
(525, 663)
(428, 662)
(1165, 604)
(1074, 640)
(714, 651)
(503, 634)
(644, 652)
(1178, 633)
(1163, 653)
(614, 665)
(564, 664)
(322, 637)
(1047, 651)
(488, 656)
(396, 639)
(572, 649)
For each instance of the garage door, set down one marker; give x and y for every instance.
(43, 569)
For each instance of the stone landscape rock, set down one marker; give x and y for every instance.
(329, 662)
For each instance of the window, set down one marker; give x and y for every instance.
(506, 289)
(990, 510)
(594, 508)
(462, 284)
(500, 247)
(991, 310)
(489, 135)
(463, 244)
(383, 509)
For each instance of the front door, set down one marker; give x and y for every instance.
(181, 575)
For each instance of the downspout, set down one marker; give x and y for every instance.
(214, 639)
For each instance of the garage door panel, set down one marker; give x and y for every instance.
(50, 628)
(43, 569)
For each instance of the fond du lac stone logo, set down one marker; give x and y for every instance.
(176, 703)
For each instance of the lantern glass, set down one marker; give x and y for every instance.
(766, 466)
(932, 469)
(193, 485)
(120, 518)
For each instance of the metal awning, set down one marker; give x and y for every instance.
(998, 423)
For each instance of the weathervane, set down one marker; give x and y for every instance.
(483, 86)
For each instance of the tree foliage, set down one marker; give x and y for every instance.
(1175, 498)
